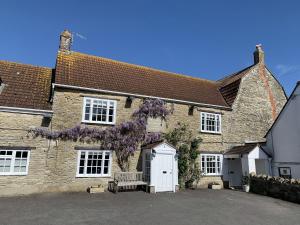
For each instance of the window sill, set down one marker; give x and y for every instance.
(97, 123)
(208, 132)
(212, 175)
(13, 174)
(91, 176)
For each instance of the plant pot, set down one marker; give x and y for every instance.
(216, 186)
(96, 189)
(246, 188)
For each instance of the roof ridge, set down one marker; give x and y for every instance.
(236, 73)
(145, 67)
(25, 64)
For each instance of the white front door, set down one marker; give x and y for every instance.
(165, 177)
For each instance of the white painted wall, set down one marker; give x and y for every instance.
(283, 140)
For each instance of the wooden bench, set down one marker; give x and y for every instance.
(128, 179)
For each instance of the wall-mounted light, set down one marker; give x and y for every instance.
(191, 110)
(129, 101)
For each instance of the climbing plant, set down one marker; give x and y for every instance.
(188, 167)
(124, 138)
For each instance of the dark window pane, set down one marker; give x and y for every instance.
(89, 163)
(81, 169)
(105, 170)
(98, 170)
(93, 170)
(106, 162)
(18, 154)
(2, 152)
(81, 162)
(24, 154)
(88, 170)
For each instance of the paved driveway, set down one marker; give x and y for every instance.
(188, 207)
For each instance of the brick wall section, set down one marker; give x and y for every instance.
(53, 165)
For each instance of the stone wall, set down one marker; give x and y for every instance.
(68, 113)
(251, 115)
(276, 187)
(13, 132)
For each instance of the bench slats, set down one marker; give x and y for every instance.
(126, 179)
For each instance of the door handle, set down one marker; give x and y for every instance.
(164, 171)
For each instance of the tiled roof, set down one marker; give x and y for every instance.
(241, 149)
(81, 70)
(25, 86)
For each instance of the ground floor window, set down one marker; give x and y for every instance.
(93, 163)
(211, 164)
(14, 162)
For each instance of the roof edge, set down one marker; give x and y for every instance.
(141, 96)
(46, 113)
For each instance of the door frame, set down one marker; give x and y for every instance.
(172, 187)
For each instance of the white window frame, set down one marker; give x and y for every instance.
(13, 159)
(205, 125)
(85, 165)
(91, 111)
(204, 170)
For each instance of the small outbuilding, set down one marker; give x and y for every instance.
(160, 167)
(242, 160)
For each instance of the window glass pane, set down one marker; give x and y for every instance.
(18, 154)
(81, 169)
(2, 162)
(105, 170)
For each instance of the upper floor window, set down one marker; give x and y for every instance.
(211, 164)
(101, 111)
(14, 162)
(210, 122)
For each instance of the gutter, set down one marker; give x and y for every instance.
(45, 113)
(139, 95)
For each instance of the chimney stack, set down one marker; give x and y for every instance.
(259, 55)
(65, 41)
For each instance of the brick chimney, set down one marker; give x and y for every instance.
(259, 55)
(65, 41)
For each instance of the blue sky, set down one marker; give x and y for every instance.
(207, 39)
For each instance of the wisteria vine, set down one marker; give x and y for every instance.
(124, 138)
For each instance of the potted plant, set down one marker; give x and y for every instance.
(246, 183)
(215, 186)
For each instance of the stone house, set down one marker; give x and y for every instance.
(95, 91)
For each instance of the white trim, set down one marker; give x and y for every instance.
(142, 96)
(26, 111)
(86, 156)
(207, 131)
(12, 165)
(204, 170)
(91, 111)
